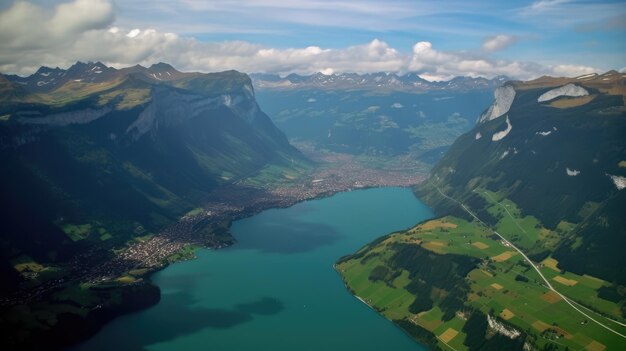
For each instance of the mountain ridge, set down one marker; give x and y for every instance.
(527, 250)
(167, 143)
(569, 146)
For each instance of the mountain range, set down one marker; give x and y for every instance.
(381, 81)
(529, 192)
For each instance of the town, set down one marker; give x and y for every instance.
(209, 228)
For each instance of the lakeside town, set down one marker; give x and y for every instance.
(208, 228)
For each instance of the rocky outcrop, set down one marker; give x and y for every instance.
(500, 328)
(169, 107)
(504, 97)
(571, 90)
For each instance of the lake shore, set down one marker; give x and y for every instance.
(282, 257)
(210, 228)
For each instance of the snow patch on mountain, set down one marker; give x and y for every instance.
(544, 133)
(572, 172)
(585, 76)
(397, 105)
(500, 135)
(619, 181)
(478, 135)
(504, 97)
(571, 89)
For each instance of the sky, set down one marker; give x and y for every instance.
(436, 39)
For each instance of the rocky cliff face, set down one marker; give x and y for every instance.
(168, 107)
(503, 98)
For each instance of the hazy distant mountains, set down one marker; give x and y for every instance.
(375, 114)
(410, 82)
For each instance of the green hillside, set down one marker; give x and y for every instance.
(528, 255)
(95, 162)
(556, 164)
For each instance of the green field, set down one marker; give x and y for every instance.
(77, 231)
(502, 285)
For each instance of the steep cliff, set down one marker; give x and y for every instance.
(103, 155)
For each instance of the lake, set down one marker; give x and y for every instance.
(275, 289)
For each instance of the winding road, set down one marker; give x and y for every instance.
(547, 283)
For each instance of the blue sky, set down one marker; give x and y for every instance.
(518, 38)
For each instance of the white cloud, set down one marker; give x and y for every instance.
(81, 15)
(82, 30)
(572, 70)
(583, 15)
(437, 65)
(498, 42)
(25, 25)
(544, 5)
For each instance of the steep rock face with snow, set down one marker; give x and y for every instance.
(503, 98)
(503, 133)
(571, 90)
(555, 163)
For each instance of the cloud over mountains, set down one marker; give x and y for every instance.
(33, 35)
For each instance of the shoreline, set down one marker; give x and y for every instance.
(424, 342)
(182, 239)
(238, 216)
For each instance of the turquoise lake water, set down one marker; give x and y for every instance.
(276, 288)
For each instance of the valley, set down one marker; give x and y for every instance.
(491, 272)
(376, 118)
(313, 175)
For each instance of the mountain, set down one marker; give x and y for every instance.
(527, 251)
(409, 82)
(96, 156)
(380, 114)
(556, 148)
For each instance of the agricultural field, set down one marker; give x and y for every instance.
(501, 284)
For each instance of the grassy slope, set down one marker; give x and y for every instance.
(493, 287)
